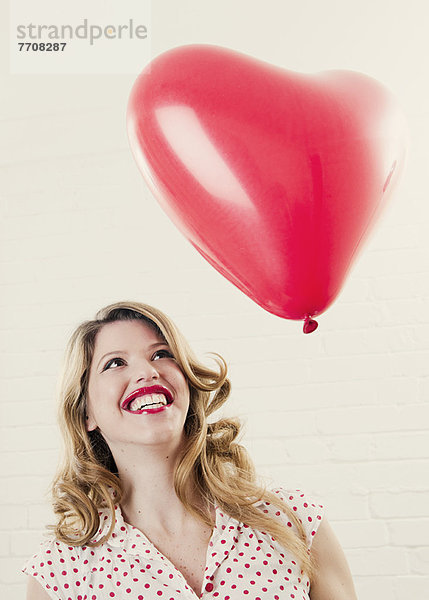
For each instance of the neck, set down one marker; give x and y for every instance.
(147, 476)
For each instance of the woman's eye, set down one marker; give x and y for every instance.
(114, 362)
(162, 354)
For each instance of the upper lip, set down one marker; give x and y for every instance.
(144, 391)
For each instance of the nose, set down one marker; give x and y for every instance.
(146, 371)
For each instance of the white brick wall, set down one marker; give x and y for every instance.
(343, 412)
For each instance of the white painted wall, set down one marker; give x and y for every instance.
(343, 412)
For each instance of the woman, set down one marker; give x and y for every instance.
(152, 500)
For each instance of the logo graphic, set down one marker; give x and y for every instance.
(79, 37)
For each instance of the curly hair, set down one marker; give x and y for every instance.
(87, 479)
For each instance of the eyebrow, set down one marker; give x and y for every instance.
(125, 352)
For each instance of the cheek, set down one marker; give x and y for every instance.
(182, 383)
(104, 393)
(96, 397)
(174, 375)
(90, 395)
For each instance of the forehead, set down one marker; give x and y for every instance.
(121, 335)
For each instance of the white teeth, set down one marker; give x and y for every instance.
(148, 399)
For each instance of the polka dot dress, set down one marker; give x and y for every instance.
(240, 562)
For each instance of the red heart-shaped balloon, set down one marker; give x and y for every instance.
(274, 176)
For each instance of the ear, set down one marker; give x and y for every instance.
(91, 424)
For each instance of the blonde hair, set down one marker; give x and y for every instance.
(221, 468)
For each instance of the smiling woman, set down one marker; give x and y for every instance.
(153, 500)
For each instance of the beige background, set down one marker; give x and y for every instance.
(342, 413)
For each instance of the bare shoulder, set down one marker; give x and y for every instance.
(35, 590)
(332, 579)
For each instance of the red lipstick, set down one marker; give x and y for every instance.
(144, 391)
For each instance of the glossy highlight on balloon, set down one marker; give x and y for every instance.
(275, 177)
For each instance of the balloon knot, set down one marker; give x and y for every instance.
(310, 325)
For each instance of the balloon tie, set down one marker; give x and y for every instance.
(310, 325)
